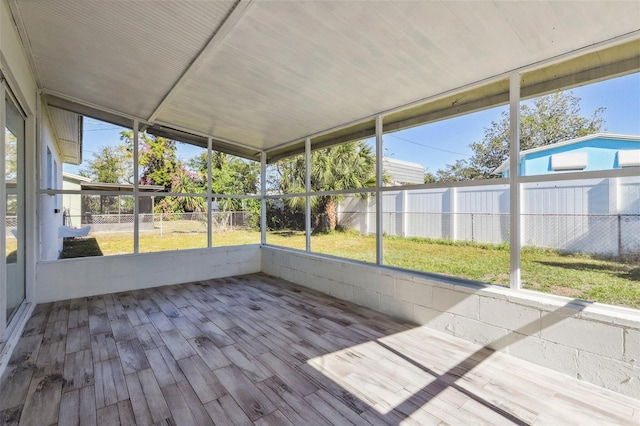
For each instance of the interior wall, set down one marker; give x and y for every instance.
(83, 277)
(588, 342)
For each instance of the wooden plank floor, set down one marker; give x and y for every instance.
(256, 350)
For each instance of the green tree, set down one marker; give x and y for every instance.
(429, 177)
(156, 158)
(184, 181)
(347, 166)
(111, 164)
(230, 175)
(547, 120)
(10, 156)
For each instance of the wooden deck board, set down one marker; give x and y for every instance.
(257, 350)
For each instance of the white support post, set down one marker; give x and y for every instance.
(379, 150)
(453, 215)
(33, 158)
(3, 212)
(514, 177)
(263, 200)
(307, 190)
(209, 196)
(136, 188)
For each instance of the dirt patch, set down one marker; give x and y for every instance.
(565, 291)
(498, 279)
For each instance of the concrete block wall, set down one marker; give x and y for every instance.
(82, 277)
(596, 343)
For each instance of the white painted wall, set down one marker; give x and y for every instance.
(50, 221)
(82, 277)
(596, 343)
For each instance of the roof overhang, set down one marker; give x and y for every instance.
(67, 131)
(121, 187)
(70, 177)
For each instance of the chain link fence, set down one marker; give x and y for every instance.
(11, 225)
(11, 222)
(221, 221)
(615, 235)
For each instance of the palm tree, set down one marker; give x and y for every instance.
(347, 166)
(185, 182)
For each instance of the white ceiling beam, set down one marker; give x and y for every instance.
(205, 135)
(224, 29)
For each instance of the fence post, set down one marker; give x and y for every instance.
(472, 233)
(620, 236)
(403, 217)
(367, 211)
(453, 207)
(161, 224)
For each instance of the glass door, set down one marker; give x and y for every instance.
(14, 207)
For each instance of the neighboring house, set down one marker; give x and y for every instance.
(402, 172)
(599, 151)
(72, 203)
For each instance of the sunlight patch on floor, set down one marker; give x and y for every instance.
(389, 372)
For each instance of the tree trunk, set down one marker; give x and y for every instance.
(331, 215)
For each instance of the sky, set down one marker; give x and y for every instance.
(437, 144)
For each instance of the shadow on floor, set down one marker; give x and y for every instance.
(255, 348)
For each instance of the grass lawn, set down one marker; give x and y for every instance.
(122, 242)
(578, 276)
(11, 249)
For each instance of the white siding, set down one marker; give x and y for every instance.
(50, 221)
(403, 172)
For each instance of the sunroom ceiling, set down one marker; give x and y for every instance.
(265, 73)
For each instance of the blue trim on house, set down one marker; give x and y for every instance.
(602, 154)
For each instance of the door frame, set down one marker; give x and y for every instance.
(27, 161)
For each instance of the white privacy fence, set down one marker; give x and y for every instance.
(597, 216)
